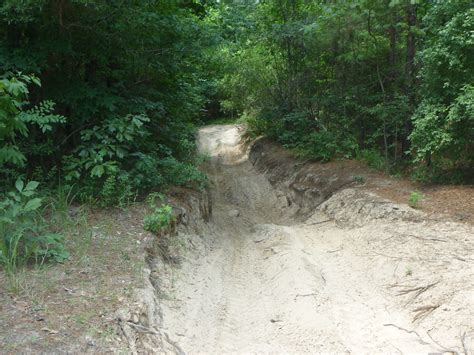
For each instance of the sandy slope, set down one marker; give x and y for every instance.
(338, 282)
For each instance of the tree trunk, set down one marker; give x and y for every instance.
(410, 74)
(411, 51)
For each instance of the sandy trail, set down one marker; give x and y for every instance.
(261, 282)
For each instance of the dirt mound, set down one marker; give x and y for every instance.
(351, 207)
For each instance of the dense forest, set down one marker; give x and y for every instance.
(101, 99)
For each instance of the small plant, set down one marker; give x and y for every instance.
(152, 197)
(117, 191)
(415, 199)
(358, 179)
(408, 272)
(24, 233)
(159, 220)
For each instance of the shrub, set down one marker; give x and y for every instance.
(23, 232)
(324, 146)
(15, 121)
(160, 219)
(182, 174)
(373, 159)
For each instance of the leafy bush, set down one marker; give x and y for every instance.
(15, 121)
(325, 146)
(443, 134)
(104, 148)
(160, 219)
(23, 232)
(373, 158)
(182, 174)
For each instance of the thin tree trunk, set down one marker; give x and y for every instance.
(410, 74)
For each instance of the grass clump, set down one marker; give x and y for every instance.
(415, 199)
(24, 233)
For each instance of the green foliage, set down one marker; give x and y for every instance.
(131, 80)
(15, 121)
(373, 158)
(443, 134)
(117, 191)
(159, 219)
(104, 148)
(358, 179)
(415, 199)
(23, 232)
(326, 79)
(329, 79)
(182, 174)
(323, 91)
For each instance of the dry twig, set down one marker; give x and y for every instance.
(407, 331)
(422, 312)
(305, 295)
(440, 345)
(417, 290)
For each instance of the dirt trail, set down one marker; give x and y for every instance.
(260, 278)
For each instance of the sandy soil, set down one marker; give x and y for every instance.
(356, 274)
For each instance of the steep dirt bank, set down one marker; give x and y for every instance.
(294, 261)
(319, 181)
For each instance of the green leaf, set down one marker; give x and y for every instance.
(98, 171)
(32, 185)
(19, 184)
(33, 204)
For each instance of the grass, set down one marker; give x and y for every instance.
(104, 270)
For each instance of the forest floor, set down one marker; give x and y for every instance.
(296, 258)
